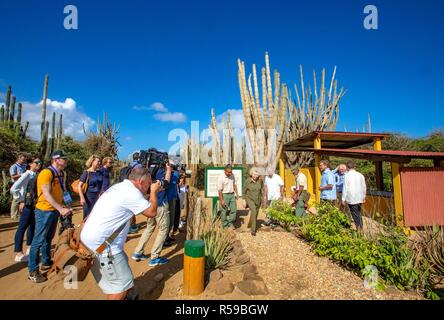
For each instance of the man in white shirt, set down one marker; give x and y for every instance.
(227, 190)
(274, 186)
(300, 191)
(353, 193)
(112, 210)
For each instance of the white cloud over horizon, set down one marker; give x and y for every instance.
(170, 117)
(163, 114)
(73, 118)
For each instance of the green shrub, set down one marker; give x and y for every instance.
(329, 234)
(283, 213)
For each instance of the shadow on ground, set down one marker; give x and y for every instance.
(145, 283)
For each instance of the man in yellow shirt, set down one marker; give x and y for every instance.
(53, 200)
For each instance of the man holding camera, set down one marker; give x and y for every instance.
(109, 223)
(162, 220)
(53, 200)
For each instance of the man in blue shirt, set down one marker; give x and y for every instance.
(328, 185)
(16, 171)
(162, 220)
(339, 173)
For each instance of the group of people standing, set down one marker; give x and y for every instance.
(343, 186)
(40, 197)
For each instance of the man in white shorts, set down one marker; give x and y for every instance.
(113, 210)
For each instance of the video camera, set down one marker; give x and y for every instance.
(153, 160)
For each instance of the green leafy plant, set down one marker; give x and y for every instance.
(282, 213)
(330, 234)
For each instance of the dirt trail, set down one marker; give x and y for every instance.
(288, 266)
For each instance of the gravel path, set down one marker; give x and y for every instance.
(292, 271)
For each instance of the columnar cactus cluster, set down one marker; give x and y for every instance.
(10, 120)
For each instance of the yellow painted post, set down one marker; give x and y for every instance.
(282, 173)
(377, 146)
(397, 194)
(194, 267)
(317, 182)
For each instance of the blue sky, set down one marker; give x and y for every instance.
(183, 54)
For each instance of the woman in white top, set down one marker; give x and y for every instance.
(24, 191)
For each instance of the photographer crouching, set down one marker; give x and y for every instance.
(108, 225)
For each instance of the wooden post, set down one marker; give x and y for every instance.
(282, 172)
(397, 194)
(317, 157)
(194, 267)
(377, 146)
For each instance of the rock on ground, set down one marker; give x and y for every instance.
(253, 287)
(224, 286)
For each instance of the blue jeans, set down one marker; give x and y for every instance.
(26, 223)
(45, 228)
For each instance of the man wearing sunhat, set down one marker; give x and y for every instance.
(53, 200)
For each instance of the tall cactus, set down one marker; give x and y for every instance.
(265, 124)
(44, 142)
(60, 133)
(12, 113)
(7, 102)
(52, 141)
(19, 117)
(45, 96)
(2, 115)
(25, 130)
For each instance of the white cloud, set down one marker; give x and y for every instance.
(170, 117)
(159, 107)
(73, 119)
(141, 108)
(156, 106)
(236, 118)
(128, 138)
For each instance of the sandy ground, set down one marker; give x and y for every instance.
(288, 266)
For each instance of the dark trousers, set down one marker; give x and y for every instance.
(355, 210)
(26, 223)
(177, 215)
(90, 199)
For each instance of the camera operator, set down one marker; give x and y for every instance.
(162, 220)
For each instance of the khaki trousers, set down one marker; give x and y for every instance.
(162, 220)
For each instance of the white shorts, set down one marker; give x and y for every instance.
(113, 276)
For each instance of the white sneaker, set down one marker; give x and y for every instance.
(21, 258)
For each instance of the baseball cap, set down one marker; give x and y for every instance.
(59, 154)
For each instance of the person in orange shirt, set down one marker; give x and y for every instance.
(53, 200)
